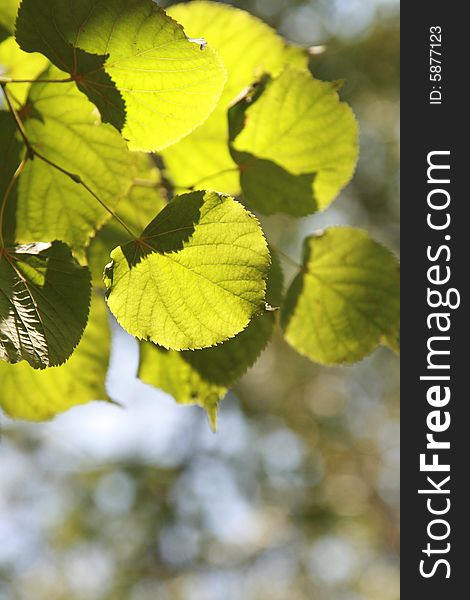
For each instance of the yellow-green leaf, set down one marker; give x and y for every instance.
(145, 199)
(132, 60)
(39, 395)
(299, 124)
(203, 377)
(195, 277)
(248, 48)
(346, 298)
(8, 10)
(65, 128)
(16, 64)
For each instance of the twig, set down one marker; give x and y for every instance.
(4, 79)
(286, 257)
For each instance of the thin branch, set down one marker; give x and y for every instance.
(286, 257)
(111, 212)
(19, 124)
(5, 80)
(32, 152)
(14, 98)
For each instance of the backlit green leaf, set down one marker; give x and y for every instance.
(132, 60)
(345, 300)
(248, 48)
(39, 395)
(44, 302)
(299, 124)
(65, 127)
(16, 64)
(203, 377)
(8, 10)
(195, 277)
(247, 45)
(169, 371)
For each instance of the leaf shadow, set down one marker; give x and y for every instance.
(266, 186)
(223, 364)
(169, 230)
(294, 291)
(97, 85)
(271, 189)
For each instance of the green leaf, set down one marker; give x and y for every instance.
(44, 302)
(10, 158)
(169, 371)
(202, 159)
(247, 45)
(203, 377)
(39, 395)
(195, 277)
(8, 10)
(299, 124)
(248, 48)
(133, 61)
(145, 199)
(16, 64)
(345, 300)
(10, 151)
(63, 125)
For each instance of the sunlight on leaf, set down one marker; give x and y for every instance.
(299, 124)
(8, 10)
(63, 125)
(144, 200)
(248, 48)
(16, 64)
(195, 277)
(345, 300)
(132, 60)
(203, 377)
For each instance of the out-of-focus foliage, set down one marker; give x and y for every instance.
(295, 497)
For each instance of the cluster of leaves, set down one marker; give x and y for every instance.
(92, 91)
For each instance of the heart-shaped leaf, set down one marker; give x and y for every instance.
(195, 277)
(345, 300)
(132, 60)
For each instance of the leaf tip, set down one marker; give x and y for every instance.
(212, 411)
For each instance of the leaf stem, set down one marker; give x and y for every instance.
(147, 183)
(32, 152)
(286, 257)
(199, 181)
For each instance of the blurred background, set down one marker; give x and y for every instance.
(296, 496)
